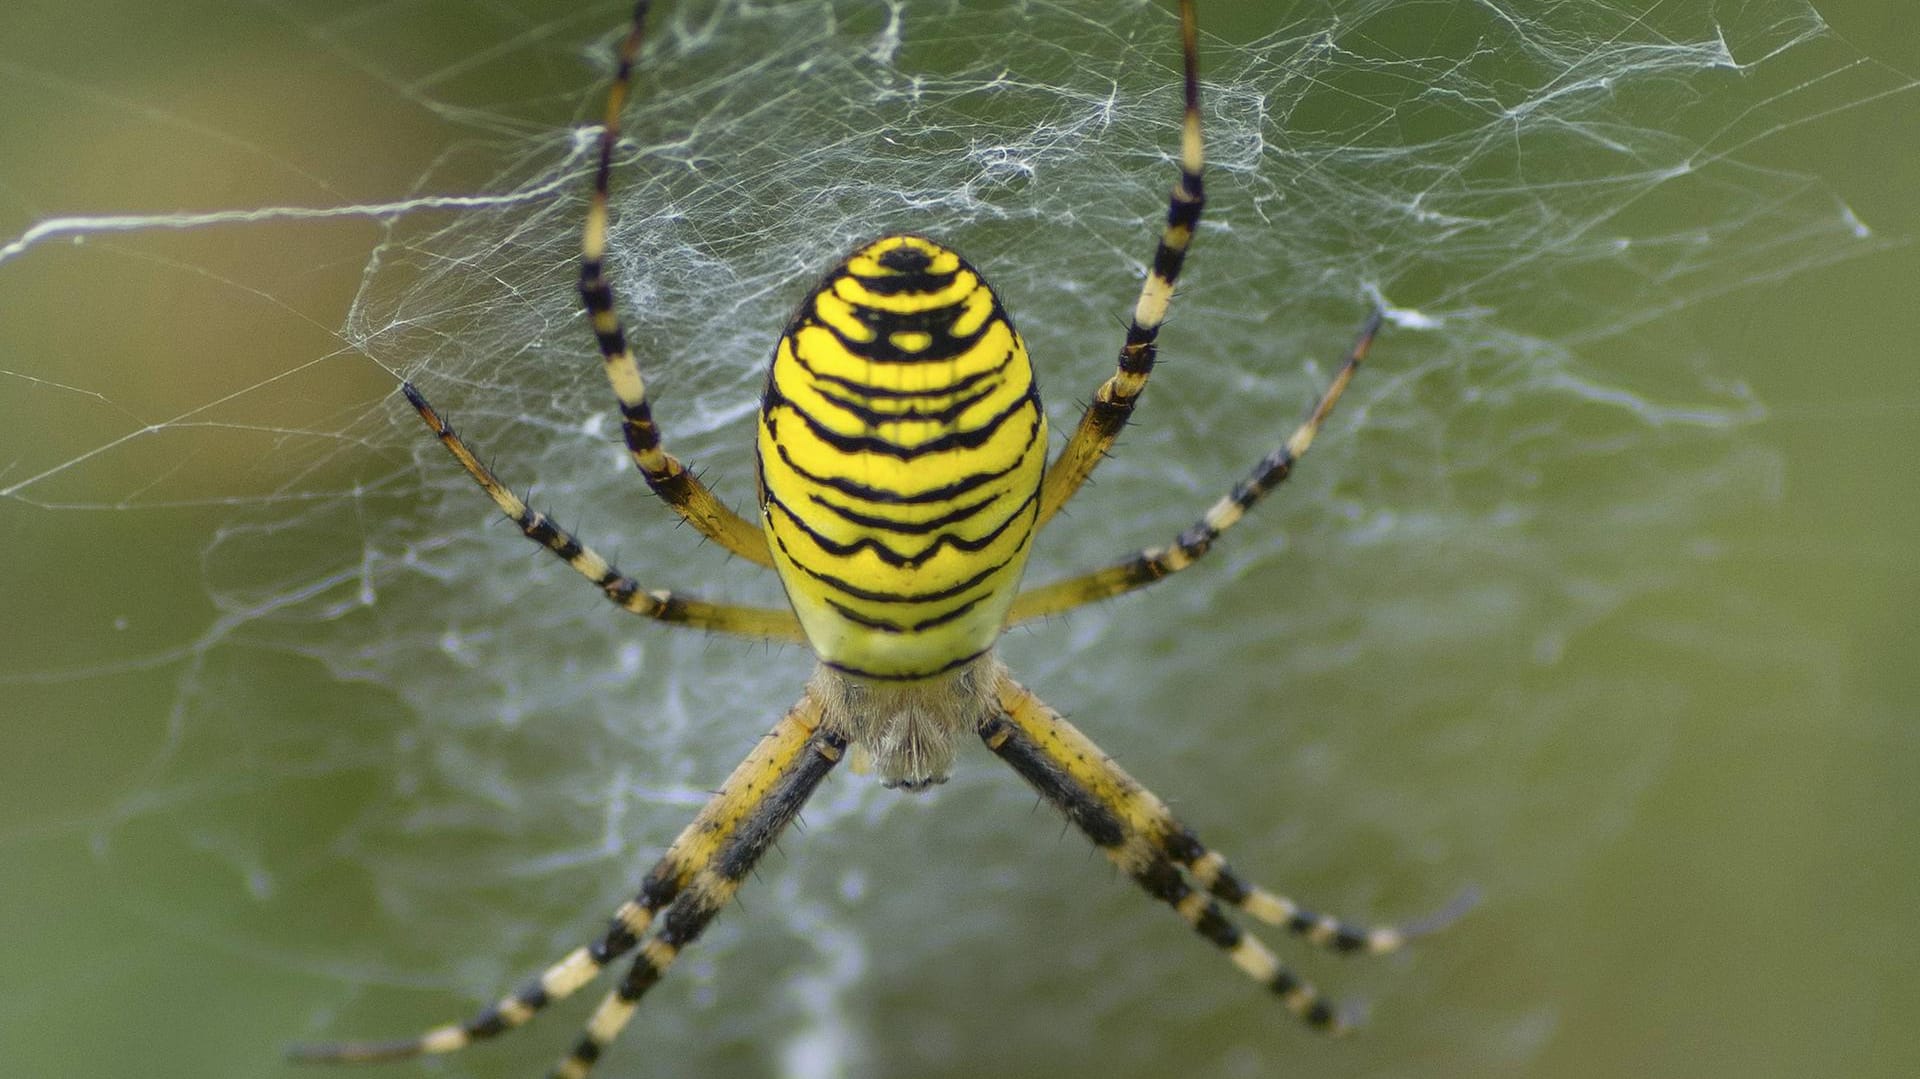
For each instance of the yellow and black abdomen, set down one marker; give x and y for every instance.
(901, 448)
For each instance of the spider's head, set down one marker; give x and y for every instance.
(907, 731)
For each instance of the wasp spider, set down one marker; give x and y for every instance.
(902, 479)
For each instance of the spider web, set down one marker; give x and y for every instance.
(385, 710)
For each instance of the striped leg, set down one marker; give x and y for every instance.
(1153, 563)
(761, 797)
(1138, 833)
(695, 878)
(669, 479)
(621, 589)
(556, 983)
(1113, 403)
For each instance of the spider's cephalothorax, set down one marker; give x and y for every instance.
(903, 477)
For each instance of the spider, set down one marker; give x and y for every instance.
(902, 476)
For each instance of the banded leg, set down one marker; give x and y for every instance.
(768, 790)
(1113, 403)
(1138, 833)
(622, 590)
(669, 479)
(698, 873)
(1153, 563)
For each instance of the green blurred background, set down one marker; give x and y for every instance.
(1598, 596)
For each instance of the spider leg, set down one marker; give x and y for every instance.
(622, 590)
(760, 799)
(691, 883)
(1153, 563)
(1135, 830)
(664, 473)
(1113, 403)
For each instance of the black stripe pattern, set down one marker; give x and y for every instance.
(901, 447)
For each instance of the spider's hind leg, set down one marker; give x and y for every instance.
(678, 487)
(1156, 563)
(1113, 403)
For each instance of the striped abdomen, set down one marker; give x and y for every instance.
(900, 451)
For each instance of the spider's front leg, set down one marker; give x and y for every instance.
(1139, 834)
(696, 878)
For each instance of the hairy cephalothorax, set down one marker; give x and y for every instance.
(907, 732)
